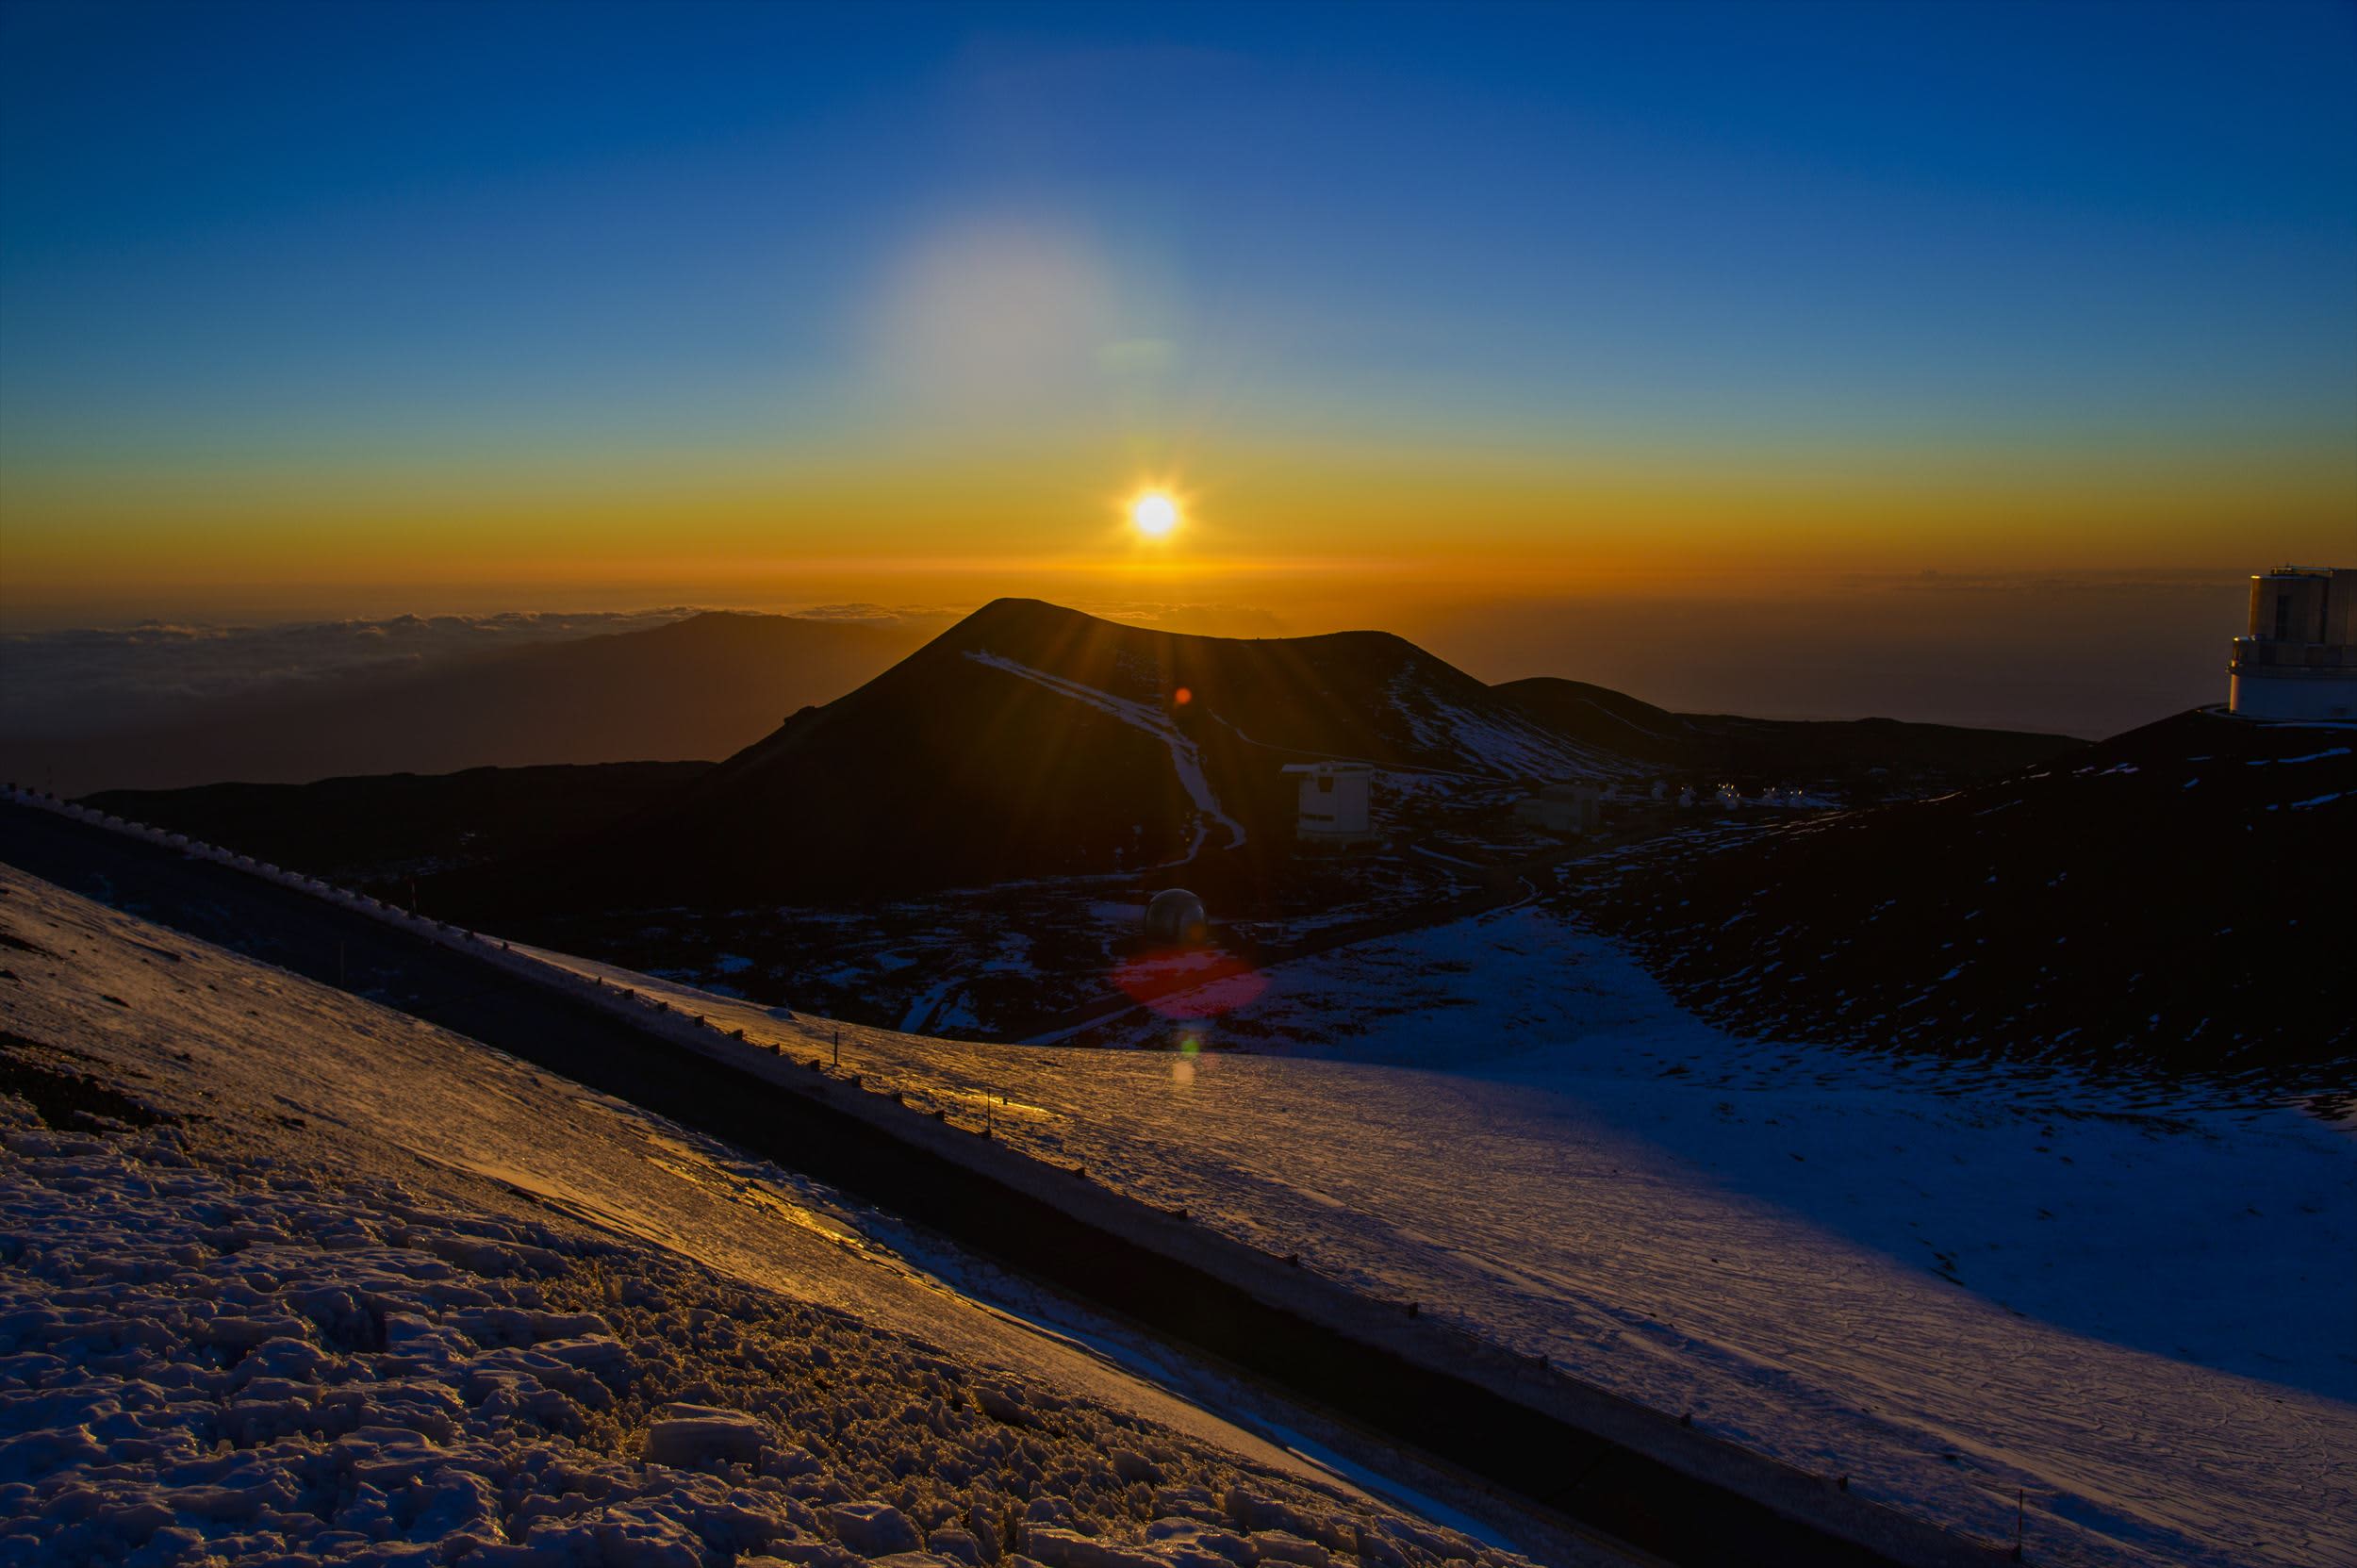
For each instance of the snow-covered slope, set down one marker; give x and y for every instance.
(1949, 1288)
(1491, 737)
(288, 1276)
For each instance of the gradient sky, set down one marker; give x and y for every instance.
(354, 306)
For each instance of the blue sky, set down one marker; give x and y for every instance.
(234, 238)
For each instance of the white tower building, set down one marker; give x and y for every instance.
(2299, 658)
(1336, 799)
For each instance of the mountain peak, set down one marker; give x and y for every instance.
(1013, 612)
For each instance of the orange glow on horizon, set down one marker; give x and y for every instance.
(970, 524)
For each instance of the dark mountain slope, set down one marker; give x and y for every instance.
(1368, 695)
(2182, 899)
(1027, 741)
(1603, 717)
(369, 830)
(1031, 740)
(696, 688)
(1800, 752)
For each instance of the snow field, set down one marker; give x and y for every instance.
(369, 1293)
(1947, 1287)
(1847, 1261)
(246, 1360)
(1509, 745)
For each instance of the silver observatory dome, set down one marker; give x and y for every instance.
(1176, 918)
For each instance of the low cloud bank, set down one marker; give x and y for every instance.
(86, 681)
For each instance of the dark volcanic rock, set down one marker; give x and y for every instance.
(2182, 899)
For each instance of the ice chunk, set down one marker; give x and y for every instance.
(1195, 1536)
(1284, 1546)
(872, 1528)
(956, 1545)
(691, 1436)
(1061, 1548)
(1130, 1465)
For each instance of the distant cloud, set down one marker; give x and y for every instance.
(884, 614)
(89, 680)
(2136, 582)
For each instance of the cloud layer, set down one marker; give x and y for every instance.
(90, 681)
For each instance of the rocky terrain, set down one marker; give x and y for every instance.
(2176, 900)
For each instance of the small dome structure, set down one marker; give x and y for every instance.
(1176, 918)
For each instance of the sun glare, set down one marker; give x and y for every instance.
(1155, 514)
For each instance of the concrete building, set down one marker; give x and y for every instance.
(1336, 803)
(1565, 808)
(2299, 658)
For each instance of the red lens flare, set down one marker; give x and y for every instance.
(1189, 982)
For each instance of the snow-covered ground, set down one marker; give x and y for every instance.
(1948, 1286)
(363, 1291)
(1507, 745)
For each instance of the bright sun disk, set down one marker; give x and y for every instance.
(1155, 514)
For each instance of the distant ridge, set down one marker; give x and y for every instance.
(1031, 740)
(384, 828)
(1796, 748)
(695, 689)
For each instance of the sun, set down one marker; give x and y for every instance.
(1154, 513)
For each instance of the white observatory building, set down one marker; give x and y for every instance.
(1335, 804)
(2299, 658)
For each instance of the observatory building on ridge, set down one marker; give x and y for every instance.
(2299, 658)
(1336, 803)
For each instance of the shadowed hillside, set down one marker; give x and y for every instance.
(1031, 740)
(2179, 898)
(1841, 753)
(1027, 741)
(377, 830)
